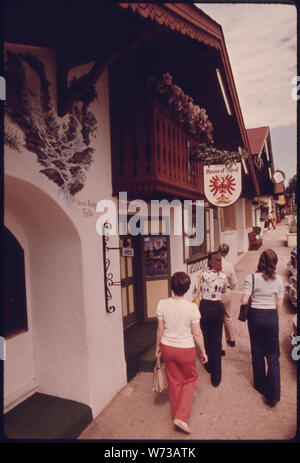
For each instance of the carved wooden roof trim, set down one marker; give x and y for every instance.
(181, 18)
(193, 22)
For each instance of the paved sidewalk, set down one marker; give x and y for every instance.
(232, 411)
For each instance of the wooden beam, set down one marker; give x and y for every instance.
(65, 95)
(202, 55)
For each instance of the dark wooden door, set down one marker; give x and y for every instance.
(128, 272)
(15, 310)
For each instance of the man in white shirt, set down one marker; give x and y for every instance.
(228, 269)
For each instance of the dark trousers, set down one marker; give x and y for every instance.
(211, 323)
(264, 338)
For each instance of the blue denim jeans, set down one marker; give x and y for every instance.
(264, 338)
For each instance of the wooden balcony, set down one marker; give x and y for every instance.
(150, 155)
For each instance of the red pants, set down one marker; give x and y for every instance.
(182, 377)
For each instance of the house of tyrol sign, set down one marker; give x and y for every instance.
(222, 185)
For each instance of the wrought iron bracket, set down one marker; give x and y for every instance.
(67, 95)
(108, 276)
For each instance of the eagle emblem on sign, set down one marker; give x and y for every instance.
(222, 185)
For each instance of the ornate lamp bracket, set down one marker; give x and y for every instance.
(108, 276)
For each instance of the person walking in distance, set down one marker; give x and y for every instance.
(229, 271)
(263, 325)
(211, 284)
(178, 331)
(271, 221)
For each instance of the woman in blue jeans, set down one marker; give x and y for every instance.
(263, 326)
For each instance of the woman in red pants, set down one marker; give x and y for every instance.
(177, 333)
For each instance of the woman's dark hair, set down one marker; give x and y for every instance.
(267, 264)
(215, 261)
(180, 283)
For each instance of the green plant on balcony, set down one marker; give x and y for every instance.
(211, 155)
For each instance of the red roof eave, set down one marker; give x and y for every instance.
(190, 20)
(257, 137)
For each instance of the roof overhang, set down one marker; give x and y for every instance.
(193, 22)
(75, 33)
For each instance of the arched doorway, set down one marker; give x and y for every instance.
(51, 356)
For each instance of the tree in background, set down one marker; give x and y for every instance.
(291, 193)
(292, 186)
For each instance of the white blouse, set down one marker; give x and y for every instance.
(212, 285)
(265, 291)
(178, 316)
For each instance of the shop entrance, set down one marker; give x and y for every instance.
(145, 274)
(129, 283)
(144, 281)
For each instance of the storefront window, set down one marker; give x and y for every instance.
(15, 310)
(193, 253)
(228, 218)
(248, 213)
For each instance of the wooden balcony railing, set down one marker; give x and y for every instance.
(150, 153)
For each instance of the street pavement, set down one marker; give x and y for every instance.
(234, 410)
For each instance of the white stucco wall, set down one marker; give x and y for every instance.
(242, 231)
(107, 367)
(236, 239)
(211, 227)
(78, 348)
(54, 296)
(177, 255)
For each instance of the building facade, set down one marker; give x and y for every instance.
(90, 140)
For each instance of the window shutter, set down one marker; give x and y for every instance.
(248, 213)
(193, 253)
(228, 218)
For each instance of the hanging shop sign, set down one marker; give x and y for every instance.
(222, 185)
(278, 176)
(127, 252)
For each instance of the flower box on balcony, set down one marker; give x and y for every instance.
(150, 153)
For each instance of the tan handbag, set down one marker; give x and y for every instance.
(160, 380)
(197, 298)
(196, 301)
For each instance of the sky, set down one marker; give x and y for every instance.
(261, 44)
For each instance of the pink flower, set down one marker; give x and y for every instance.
(196, 110)
(185, 98)
(182, 105)
(177, 105)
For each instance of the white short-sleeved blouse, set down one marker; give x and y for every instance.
(265, 291)
(178, 316)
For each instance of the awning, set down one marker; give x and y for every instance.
(259, 203)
